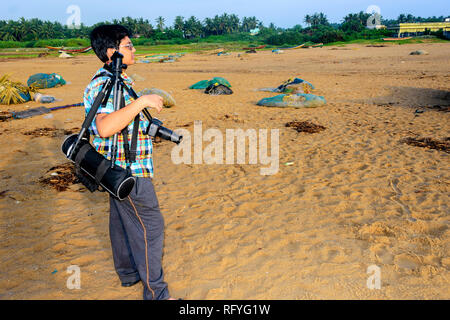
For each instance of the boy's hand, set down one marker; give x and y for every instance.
(152, 101)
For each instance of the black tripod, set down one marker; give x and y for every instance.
(116, 85)
(92, 168)
(115, 82)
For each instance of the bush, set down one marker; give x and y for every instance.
(288, 38)
(439, 34)
(77, 43)
(30, 44)
(367, 34)
(11, 44)
(233, 37)
(326, 34)
(49, 42)
(143, 42)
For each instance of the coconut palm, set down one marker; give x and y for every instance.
(352, 23)
(160, 23)
(193, 27)
(401, 18)
(249, 23)
(233, 23)
(178, 23)
(410, 18)
(209, 26)
(308, 20)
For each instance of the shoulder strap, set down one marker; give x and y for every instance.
(135, 127)
(137, 119)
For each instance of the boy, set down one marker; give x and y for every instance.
(136, 225)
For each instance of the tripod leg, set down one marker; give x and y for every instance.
(118, 95)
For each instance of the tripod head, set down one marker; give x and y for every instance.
(116, 65)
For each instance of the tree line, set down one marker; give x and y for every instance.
(318, 28)
(36, 29)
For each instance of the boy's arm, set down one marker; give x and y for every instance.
(111, 123)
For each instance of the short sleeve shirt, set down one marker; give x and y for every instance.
(143, 166)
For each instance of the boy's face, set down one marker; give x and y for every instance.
(127, 49)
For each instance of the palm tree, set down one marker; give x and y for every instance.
(209, 26)
(226, 23)
(363, 17)
(352, 23)
(45, 32)
(323, 20)
(7, 33)
(178, 23)
(144, 28)
(249, 23)
(234, 23)
(218, 24)
(410, 18)
(308, 20)
(316, 19)
(193, 28)
(160, 23)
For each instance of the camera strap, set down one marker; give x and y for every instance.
(133, 94)
(126, 146)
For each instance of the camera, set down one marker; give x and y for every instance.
(155, 129)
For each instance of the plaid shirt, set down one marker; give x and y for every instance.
(143, 166)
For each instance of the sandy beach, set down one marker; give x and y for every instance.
(344, 199)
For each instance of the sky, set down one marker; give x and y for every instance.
(283, 13)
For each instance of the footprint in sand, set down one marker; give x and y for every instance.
(405, 261)
(382, 254)
(396, 198)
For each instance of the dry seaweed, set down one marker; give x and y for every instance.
(60, 177)
(3, 193)
(5, 115)
(305, 126)
(50, 132)
(441, 108)
(430, 143)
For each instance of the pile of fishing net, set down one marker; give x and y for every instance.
(215, 86)
(296, 94)
(161, 58)
(168, 100)
(12, 92)
(44, 80)
(298, 100)
(292, 85)
(216, 89)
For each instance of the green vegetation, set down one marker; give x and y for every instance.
(381, 41)
(227, 30)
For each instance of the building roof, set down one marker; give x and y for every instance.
(420, 26)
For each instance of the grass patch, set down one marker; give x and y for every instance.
(380, 40)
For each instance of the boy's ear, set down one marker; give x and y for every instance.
(110, 52)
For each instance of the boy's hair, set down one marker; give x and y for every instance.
(107, 36)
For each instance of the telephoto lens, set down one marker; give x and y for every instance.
(168, 134)
(155, 129)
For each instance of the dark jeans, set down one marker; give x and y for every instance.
(136, 229)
